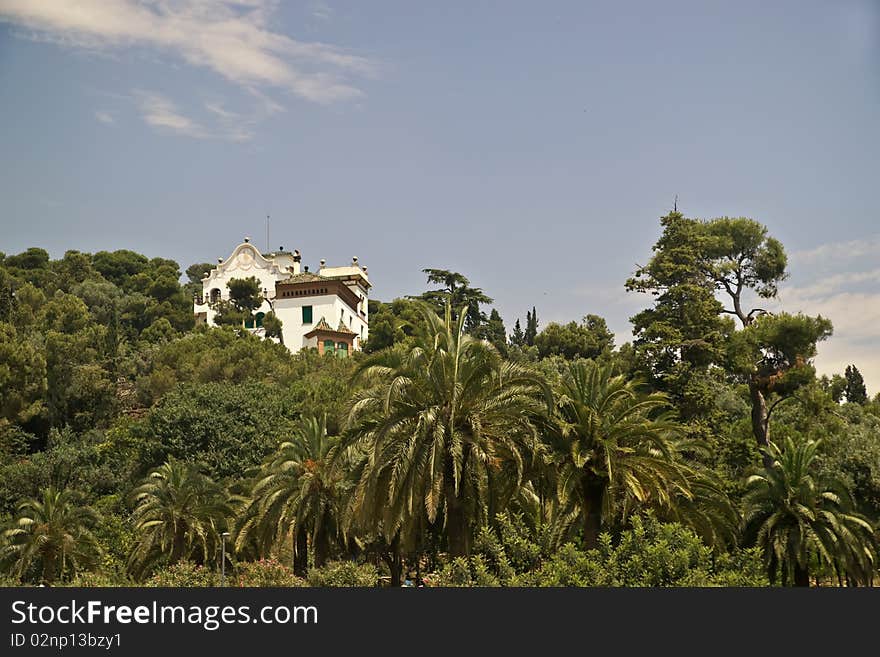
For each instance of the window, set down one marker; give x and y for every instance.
(329, 347)
(259, 319)
(249, 322)
(307, 314)
(215, 295)
(341, 349)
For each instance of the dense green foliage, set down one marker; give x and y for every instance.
(135, 446)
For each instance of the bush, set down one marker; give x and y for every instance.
(184, 574)
(264, 573)
(649, 554)
(344, 573)
(92, 579)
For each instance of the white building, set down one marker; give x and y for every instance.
(326, 309)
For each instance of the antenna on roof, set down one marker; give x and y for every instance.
(675, 204)
(267, 233)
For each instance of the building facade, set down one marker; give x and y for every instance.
(326, 309)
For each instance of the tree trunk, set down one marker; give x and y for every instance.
(396, 565)
(300, 552)
(594, 492)
(801, 575)
(179, 547)
(457, 530)
(760, 422)
(394, 561)
(322, 549)
(49, 567)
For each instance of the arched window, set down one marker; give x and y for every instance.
(215, 295)
(259, 319)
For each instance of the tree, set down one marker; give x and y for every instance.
(245, 293)
(693, 260)
(442, 423)
(196, 272)
(855, 391)
(590, 339)
(531, 331)
(273, 326)
(22, 378)
(494, 331)
(53, 533)
(611, 449)
(298, 490)
(517, 338)
(179, 514)
(461, 297)
(773, 354)
(835, 386)
(227, 427)
(119, 266)
(391, 323)
(244, 298)
(797, 516)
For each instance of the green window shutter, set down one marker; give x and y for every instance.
(329, 347)
(341, 349)
(307, 314)
(249, 322)
(259, 319)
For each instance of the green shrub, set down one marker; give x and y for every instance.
(649, 554)
(344, 573)
(91, 579)
(184, 574)
(263, 573)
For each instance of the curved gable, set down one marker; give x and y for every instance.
(246, 259)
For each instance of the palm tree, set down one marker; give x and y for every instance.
(440, 424)
(613, 449)
(53, 532)
(179, 514)
(794, 514)
(298, 488)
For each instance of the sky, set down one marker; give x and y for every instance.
(531, 146)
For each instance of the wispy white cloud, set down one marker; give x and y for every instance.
(218, 109)
(233, 38)
(321, 10)
(834, 252)
(851, 300)
(161, 113)
(830, 284)
(104, 117)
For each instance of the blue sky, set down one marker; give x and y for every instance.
(531, 146)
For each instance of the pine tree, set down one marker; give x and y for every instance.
(518, 338)
(855, 386)
(531, 326)
(493, 331)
